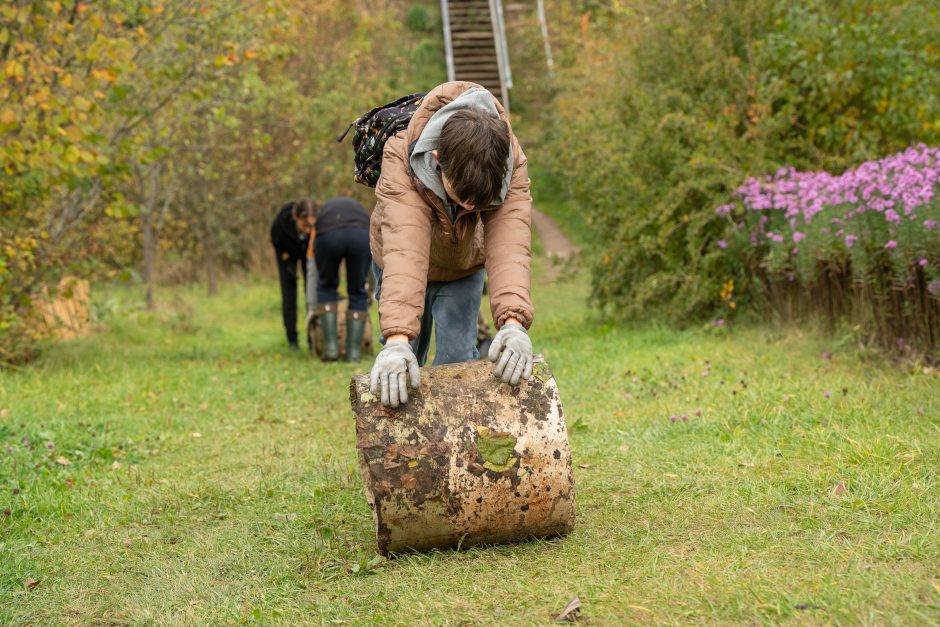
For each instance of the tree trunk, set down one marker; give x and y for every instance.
(467, 460)
(209, 252)
(150, 256)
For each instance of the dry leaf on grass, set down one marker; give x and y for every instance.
(838, 489)
(569, 613)
(31, 583)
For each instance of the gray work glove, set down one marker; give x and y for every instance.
(516, 347)
(393, 365)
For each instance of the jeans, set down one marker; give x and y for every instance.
(330, 249)
(451, 307)
(287, 274)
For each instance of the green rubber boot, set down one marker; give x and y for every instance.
(327, 317)
(355, 327)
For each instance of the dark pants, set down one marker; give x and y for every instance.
(330, 249)
(451, 307)
(287, 273)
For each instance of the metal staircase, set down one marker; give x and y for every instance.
(475, 44)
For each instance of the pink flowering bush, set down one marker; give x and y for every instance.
(865, 242)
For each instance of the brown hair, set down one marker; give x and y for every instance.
(306, 207)
(473, 150)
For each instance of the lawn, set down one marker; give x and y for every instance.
(182, 466)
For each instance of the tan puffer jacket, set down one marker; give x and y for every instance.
(413, 240)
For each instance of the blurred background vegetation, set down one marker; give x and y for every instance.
(152, 140)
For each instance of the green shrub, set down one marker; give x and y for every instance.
(667, 108)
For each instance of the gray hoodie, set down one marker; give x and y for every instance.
(423, 162)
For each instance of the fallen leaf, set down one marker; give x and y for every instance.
(4, 413)
(807, 606)
(115, 465)
(569, 613)
(31, 583)
(196, 434)
(375, 562)
(745, 465)
(204, 406)
(838, 489)
(127, 542)
(62, 461)
(584, 465)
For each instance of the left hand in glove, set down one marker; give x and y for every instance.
(516, 348)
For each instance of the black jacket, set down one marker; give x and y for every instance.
(341, 213)
(285, 237)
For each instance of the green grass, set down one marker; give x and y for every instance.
(725, 517)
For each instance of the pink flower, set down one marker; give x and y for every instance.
(778, 239)
(827, 394)
(922, 263)
(891, 244)
(722, 244)
(850, 240)
(798, 237)
(724, 210)
(930, 224)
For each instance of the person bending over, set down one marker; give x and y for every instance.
(452, 200)
(342, 234)
(290, 233)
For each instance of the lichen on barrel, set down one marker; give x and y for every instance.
(468, 460)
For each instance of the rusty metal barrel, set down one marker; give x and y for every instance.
(468, 460)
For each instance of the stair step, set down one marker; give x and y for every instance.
(487, 47)
(468, 28)
(473, 35)
(481, 24)
(483, 79)
(489, 70)
(471, 43)
(476, 58)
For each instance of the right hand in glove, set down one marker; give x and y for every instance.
(392, 365)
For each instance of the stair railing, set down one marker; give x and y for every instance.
(448, 44)
(502, 51)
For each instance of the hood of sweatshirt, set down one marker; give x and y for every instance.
(423, 162)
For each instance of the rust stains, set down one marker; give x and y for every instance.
(468, 459)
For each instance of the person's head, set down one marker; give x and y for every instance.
(472, 151)
(304, 213)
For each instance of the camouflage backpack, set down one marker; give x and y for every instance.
(372, 131)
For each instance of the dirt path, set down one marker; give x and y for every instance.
(558, 248)
(556, 244)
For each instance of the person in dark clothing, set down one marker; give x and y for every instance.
(342, 234)
(290, 234)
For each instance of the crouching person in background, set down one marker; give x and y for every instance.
(342, 235)
(290, 233)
